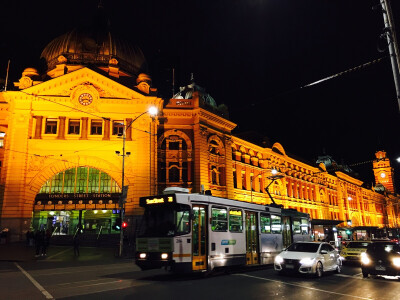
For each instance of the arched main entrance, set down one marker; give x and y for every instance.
(79, 197)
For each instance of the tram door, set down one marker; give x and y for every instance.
(286, 231)
(251, 238)
(199, 229)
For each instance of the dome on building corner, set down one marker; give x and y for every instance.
(94, 44)
(186, 92)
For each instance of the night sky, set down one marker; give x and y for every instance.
(254, 56)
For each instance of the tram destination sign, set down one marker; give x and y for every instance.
(154, 200)
(78, 198)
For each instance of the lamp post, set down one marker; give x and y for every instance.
(152, 111)
(274, 177)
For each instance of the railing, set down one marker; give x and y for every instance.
(101, 228)
(54, 231)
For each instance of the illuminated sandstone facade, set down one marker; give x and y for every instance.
(235, 168)
(59, 133)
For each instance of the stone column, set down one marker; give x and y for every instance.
(38, 128)
(61, 128)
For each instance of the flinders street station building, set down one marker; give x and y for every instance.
(73, 137)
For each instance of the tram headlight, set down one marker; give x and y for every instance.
(365, 259)
(142, 255)
(278, 259)
(307, 261)
(164, 255)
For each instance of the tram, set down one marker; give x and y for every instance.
(198, 233)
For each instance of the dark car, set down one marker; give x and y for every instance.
(381, 258)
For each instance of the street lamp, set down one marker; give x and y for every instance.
(274, 177)
(152, 111)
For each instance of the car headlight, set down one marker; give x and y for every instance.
(142, 255)
(365, 259)
(396, 261)
(307, 261)
(278, 259)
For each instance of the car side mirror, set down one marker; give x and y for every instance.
(324, 252)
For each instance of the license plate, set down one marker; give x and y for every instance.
(380, 268)
(289, 267)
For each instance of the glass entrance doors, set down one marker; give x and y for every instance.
(251, 238)
(199, 229)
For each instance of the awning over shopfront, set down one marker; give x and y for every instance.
(363, 227)
(325, 222)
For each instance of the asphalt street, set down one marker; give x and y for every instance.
(98, 274)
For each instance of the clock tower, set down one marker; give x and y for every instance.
(383, 171)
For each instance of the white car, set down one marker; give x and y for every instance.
(308, 258)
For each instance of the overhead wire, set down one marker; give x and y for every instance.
(359, 67)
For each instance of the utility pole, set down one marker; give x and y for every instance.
(390, 33)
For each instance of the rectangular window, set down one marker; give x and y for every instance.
(81, 179)
(296, 227)
(276, 226)
(235, 220)
(304, 226)
(51, 126)
(265, 222)
(118, 128)
(182, 222)
(219, 219)
(96, 127)
(74, 127)
(93, 183)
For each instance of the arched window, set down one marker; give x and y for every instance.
(173, 174)
(80, 180)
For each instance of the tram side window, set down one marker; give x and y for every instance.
(304, 226)
(265, 221)
(219, 219)
(296, 226)
(276, 222)
(183, 222)
(235, 220)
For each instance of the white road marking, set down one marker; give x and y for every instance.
(59, 253)
(301, 286)
(35, 283)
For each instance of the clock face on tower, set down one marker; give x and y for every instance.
(383, 175)
(85, 99)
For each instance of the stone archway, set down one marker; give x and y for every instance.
(50, 170)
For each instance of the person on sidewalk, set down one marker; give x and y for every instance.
(46, 242)
(39, 240)
(76, 242)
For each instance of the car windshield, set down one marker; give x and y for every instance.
(386, 247)
(357, 245)
(303, 247)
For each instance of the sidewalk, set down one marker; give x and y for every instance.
(20, 252)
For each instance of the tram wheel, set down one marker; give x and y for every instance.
(319, 270)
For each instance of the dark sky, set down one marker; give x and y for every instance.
(253, 56)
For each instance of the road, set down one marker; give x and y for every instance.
(54, 278)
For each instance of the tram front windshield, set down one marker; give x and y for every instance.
(165, 221)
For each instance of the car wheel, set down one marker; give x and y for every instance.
(364, 273)
(319, 270)
(339, 267)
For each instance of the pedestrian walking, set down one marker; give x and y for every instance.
(39, 241)
(76, 242)
(46, 242)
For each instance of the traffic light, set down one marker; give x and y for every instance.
(124, 225)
